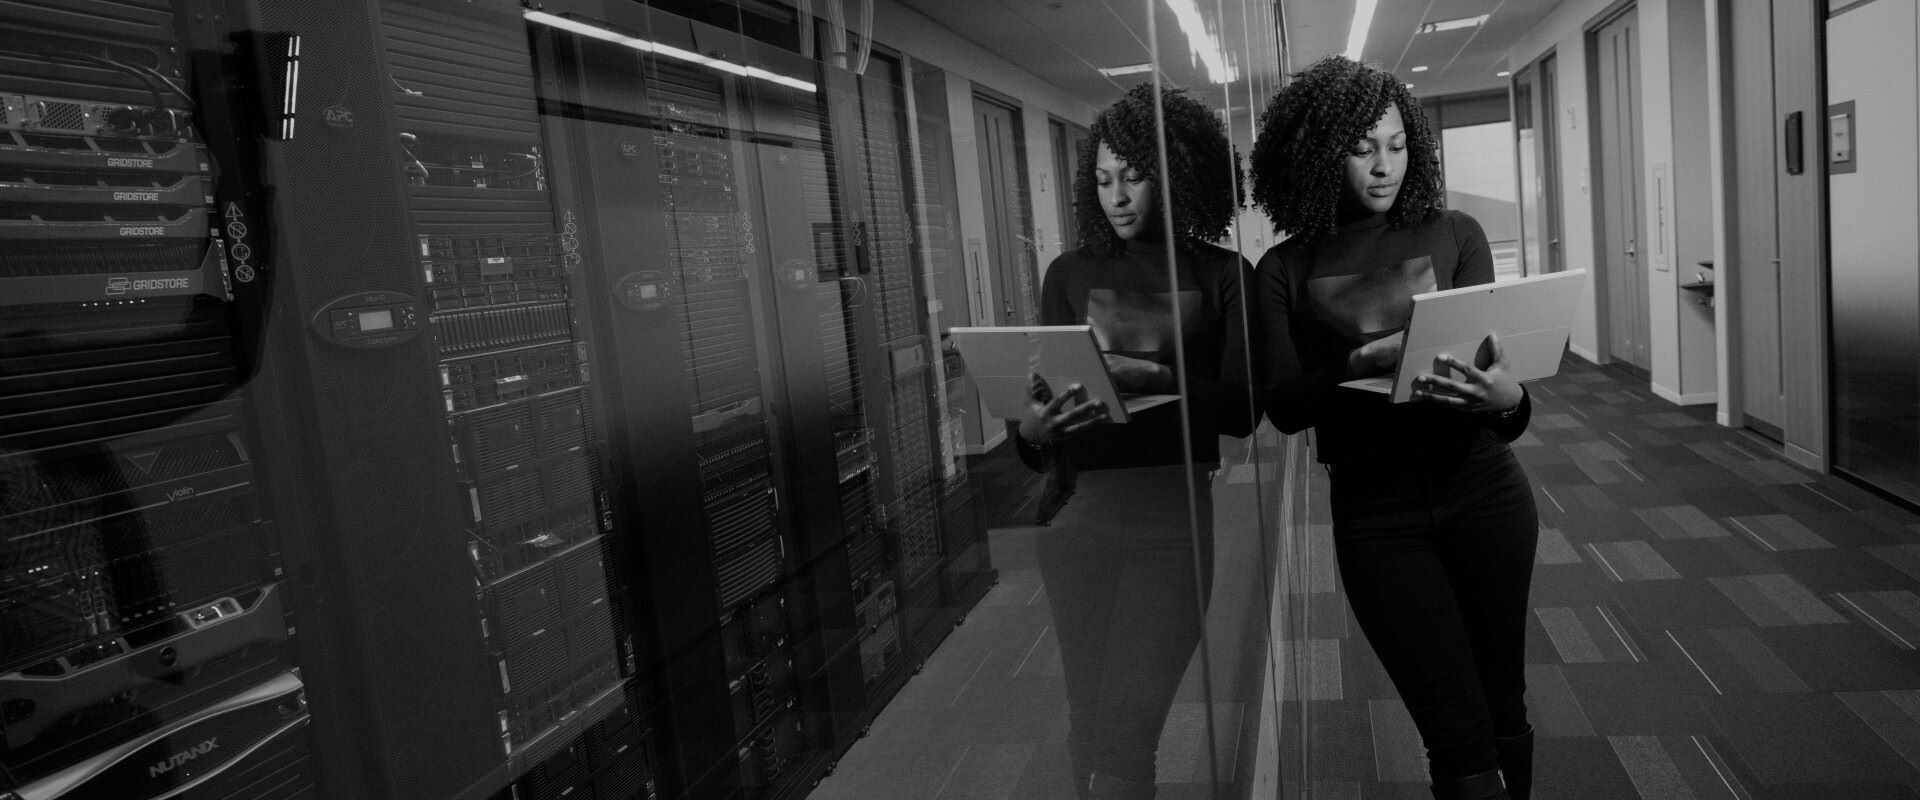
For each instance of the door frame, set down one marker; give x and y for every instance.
(1543, 109)
(1603, 298)
(1016, 294)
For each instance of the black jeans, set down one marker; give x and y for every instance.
(1436, 559)
(1126, 576)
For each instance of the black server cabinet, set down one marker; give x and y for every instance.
(762, 343)
(645, 155)
(434, 416)
(910, 614)
(586, 431)
(147, 650)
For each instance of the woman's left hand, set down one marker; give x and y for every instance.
(1138, 375)
(1489, 390)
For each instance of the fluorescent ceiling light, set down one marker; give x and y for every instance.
(1357, 30)
(644, 46)
(1501, 74)
(1453, 24)
(1131, 69)
(1200, 44)
(1419, 69)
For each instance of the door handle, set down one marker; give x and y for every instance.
(1794, 135)
(1632, 247)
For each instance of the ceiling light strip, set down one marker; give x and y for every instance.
(1357, 30)
(1454, 24)
(644, 46)
(1200, 43)
(1131, 69)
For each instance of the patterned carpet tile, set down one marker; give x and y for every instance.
(1704, 558)
(1662, 767)
(1735, 661)
(1588, 635)
(1812, 738)
(1710, 620)
(1777, 599)
(1844, 658)
(1554, 706)
(1655, 697)
(1675, 605)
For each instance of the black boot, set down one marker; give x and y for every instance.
(1484, 786)
(1516, 763)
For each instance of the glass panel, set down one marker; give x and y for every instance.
(1481, 182)
(565, 400)
(1526, 148)
(1241, 528)
(1375, 191)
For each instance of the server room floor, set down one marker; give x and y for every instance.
(1710, 621)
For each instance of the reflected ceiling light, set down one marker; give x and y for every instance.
(644, 46)
(1357, 30)
(1200, 44)
(1130, 69)
(1409, 85)
(1419, 69)
(1453, 24)
(1501, 74)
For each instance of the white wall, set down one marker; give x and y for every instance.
(1677, 205)
(903, 28)
(1562, 33)
(1693, 197)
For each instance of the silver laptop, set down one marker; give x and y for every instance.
(1532, 315)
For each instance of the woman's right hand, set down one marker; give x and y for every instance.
(1377, 357)
(1050, 415)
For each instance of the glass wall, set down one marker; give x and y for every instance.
(1481, 181)
(1536, 157)
(601, 399)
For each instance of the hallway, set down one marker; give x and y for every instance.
(1710, 621)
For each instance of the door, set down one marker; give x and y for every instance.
(1616, 79)
(1068, 141)
(1003, 183)
(1755, 271)
(1873, 105)
(1548, 103)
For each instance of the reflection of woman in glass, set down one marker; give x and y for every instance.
(1125, 571)
(1434, 524)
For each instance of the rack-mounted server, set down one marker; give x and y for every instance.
(147, 650)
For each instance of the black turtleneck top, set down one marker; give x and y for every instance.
(1126, 299)
(1321, 300)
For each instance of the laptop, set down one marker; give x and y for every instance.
(1001, 362)
(1532, 315)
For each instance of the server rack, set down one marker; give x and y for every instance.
(580, 419)
(433, 407)
(142, 593)
(757, 233)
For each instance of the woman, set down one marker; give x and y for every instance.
(1125, 572)
(1434, 522)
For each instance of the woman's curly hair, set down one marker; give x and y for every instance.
(1307, 130)
(1206, 172)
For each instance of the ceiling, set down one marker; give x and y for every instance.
(1064, 41)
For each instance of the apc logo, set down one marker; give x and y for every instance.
(118, 286)
(338, 117)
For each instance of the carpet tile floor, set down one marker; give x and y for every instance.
(1710, 620)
